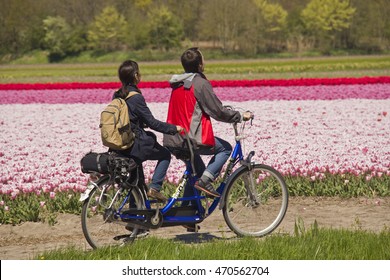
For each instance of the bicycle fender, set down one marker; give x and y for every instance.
(85, 194)
(91, 185)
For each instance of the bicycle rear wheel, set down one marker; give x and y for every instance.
(255, 201)
(99, 216)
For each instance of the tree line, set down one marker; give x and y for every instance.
(248, 27)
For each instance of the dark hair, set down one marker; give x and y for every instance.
(127, 75)
(191, 59)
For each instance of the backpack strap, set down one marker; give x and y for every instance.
(131, 93)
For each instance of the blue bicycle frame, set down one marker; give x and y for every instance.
(188, 180)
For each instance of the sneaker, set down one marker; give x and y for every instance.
(192, 228)
(208, 189)
(155, 194)
(140, 233)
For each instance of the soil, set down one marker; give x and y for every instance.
(28, 240)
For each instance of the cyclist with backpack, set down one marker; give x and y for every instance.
(145, 146)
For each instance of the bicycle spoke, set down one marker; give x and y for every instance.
(100, 222)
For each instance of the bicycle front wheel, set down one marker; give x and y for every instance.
(100, 219)
(255, 201)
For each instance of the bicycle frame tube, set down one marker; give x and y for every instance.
(180, 188)
(237, 152)
(234, 159)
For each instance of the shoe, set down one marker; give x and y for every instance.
(140, 233)
(208, 189)
(192, 228)
(153, 193)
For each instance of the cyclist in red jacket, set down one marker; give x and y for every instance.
(192, 104)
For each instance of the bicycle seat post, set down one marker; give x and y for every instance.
(187, 138)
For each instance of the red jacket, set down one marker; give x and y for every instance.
(191, 105)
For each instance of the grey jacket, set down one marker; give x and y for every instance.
(207, 102)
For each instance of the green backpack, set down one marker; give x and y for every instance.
(115, 128)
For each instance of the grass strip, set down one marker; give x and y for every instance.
(313, 244)
(217, 69)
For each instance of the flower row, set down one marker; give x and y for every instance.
(238, 94)
(219, 83)
(299, 138)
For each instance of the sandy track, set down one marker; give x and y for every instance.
(26, 241)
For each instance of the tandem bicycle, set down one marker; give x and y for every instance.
(116, 209)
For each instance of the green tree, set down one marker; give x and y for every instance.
(108, 31)
(273, 15)
(370, 27)
(224, 23)
(21, 25)
(192, 19)
(165, 30)
(61, 39)
(80, 12)
(143, 4)
(324, 18)
(294, 32)
(56, 31)
(270, 23)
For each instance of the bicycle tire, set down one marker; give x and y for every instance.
(99, 228)
(241, 214)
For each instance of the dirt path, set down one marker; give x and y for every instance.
(29, 239)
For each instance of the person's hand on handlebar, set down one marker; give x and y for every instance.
(246, 116)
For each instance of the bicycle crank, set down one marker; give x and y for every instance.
(152, 219)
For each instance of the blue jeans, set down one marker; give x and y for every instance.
(221, 152)
(163, 157)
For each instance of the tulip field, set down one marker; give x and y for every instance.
(326, 136)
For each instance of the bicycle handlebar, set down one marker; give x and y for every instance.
(252, 116)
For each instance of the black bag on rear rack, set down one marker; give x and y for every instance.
(122, 169)
(95, 163)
